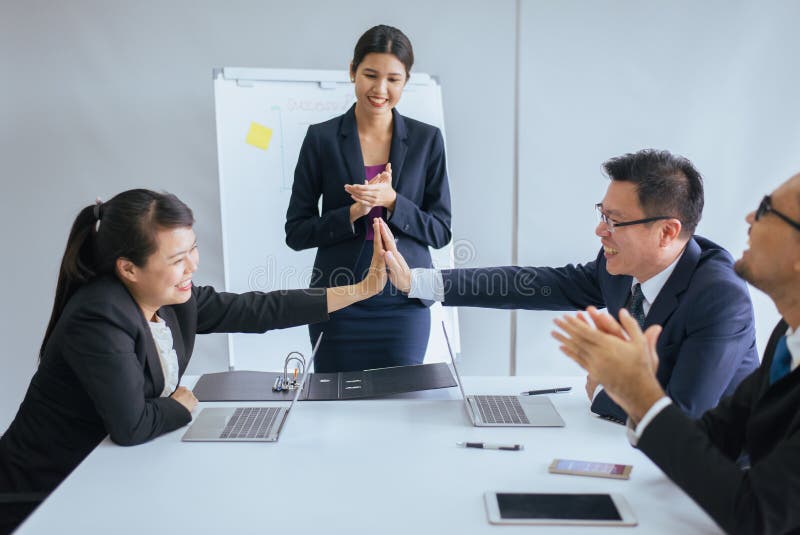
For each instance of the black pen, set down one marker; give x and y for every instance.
(547, 391)
(487, 446)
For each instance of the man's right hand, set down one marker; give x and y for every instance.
(399, 272)
(185, 397)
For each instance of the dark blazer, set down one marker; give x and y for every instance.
(330, 158)
(707, 346)
(760, 421)
(100, 373)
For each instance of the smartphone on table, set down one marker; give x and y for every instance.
(588, 468)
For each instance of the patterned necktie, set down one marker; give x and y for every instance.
(781, 361)
(636, 304)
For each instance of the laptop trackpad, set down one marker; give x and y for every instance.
(540, 411)
(209, 423)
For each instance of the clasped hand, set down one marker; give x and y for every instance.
(185, 397)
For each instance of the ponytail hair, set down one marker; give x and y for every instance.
(123, 227)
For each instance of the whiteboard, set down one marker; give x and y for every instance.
(262, 116)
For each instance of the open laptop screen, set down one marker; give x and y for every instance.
(458, 376)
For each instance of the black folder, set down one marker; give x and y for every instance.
(257, 386)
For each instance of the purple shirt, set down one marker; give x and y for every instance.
(370, 172)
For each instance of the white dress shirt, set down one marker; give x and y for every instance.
(793, 344)
(427, 283)
(653, 286)
(162, 336)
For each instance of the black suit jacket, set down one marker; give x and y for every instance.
(330, 158)
(759, 420)
(100, 373)
(707, 346)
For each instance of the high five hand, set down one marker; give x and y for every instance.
(376, 277)
(399, 272)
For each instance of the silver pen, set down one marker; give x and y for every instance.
(488, 446)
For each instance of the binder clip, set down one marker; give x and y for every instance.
(286, 382)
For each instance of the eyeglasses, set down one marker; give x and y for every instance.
(765, 207)
(611, 224)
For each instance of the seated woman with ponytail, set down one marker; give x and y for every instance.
(122, 332)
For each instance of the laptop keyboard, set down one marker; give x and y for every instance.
(251, 422)
(501, 410)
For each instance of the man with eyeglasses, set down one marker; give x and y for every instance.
(651, 264)
(759, 422)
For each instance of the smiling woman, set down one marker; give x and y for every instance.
(121, 334)
(371, 163)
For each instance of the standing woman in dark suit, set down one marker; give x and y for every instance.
(121, 334)
(371, 162)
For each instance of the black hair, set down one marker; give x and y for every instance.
(666, 184)
(123, 227)
(384, 39)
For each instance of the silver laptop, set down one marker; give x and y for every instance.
(506, 411)
(245, 424)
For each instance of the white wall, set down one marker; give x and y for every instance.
(98, 97)
(716, 81)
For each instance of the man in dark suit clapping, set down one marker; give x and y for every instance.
(758, 426)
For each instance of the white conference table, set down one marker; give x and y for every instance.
(379, 466)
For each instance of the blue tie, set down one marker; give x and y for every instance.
(781, 361)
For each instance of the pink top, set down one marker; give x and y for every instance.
(370, 172)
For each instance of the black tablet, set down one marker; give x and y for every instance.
(568, 509)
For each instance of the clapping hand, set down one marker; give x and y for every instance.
(617, 355)
(604, 322)
(376, 192)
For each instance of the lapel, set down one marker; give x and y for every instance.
(151, 356)
(769, 354)
(667, 299)
(169, 316)
(397, 153)
(152, 363)
(351, 148)
(620, 289)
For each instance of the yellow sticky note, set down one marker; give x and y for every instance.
(259, 136)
